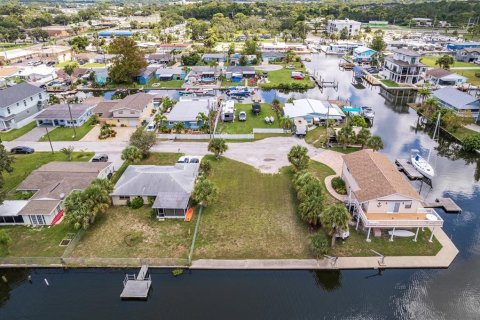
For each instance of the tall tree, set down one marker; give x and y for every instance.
(5, 166)
(345, 136)
(298, 157)
(363, 136)
(143, 140)
(375, 143)
(217, 147)
(128, 62)
(444, 61)
(335, 219)
(205, 192)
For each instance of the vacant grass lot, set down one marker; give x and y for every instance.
(128, 233)
(35, 242)
(16, 133)
(284, 76)
(430, 62)
(253, 121)
(24, 164)
(462, 132)
(174, 84)
(470, 74)
(357, 246)
(254, 216)
(67, 134)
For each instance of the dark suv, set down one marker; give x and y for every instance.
(100, 158)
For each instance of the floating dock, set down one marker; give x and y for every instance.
(137, 287)
(447, 204)
(409, 170)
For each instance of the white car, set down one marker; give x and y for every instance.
(291, 67)
(242, 116)
(151, 127)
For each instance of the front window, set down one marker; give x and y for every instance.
(124, 197)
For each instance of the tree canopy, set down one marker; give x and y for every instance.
(128, 62)
(6, 161)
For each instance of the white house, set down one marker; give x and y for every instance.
(39, 74)
(381, 198)
(63, 115)
(19, 103)
(336, 26)
(442, 77)
(404, 66)
(313, 111)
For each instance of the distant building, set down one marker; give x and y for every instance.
(455, 46)
(115, 33)
(442, 77)
(458, 101)
(40, 74)
(217, 57)
(404, 66)
(422, 22)
(19, 103)
(57, 31)
(313, 111)
(363, 54)
(468, 54)
(336, 26)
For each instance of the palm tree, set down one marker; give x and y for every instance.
(68, 152)
(335, 219)
(424, 92)
(345, 136)
(363, 136)
(179, 127)
(298, 157)
(159, 119)
(217, 146)
(132, 154)
(286, 123)
(203, 120)
(375, 143)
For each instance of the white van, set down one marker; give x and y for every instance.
(151, 127)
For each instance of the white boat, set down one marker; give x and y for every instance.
(421, 164)
(402, 233)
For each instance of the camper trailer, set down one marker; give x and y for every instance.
(300, 127)
(228, 111)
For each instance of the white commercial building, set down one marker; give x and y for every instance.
(336, 26)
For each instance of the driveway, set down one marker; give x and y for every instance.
(34, 135)
(268, 67)
(123, 134)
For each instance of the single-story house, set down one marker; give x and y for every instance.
(202, 74)
(19, 103)
(313, 111)
(168, 47)
(39, 74)
(104, 58)
(458, 101)
(468, 54)
(146, 75)
(381, 198)
(101, 75)
(131, 111)
(77, 74)
(235, 58)
(187, 110)
(59, 54)
(85, 57)
(442, 77)
(162, 58)
(60, 115)
(51, 183)
(170, 186)
(217, 57)
(166, 74)
(16, 55)
(238, 73)
(271, 56)
(363, 54)
(7, 73)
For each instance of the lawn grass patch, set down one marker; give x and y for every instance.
(283, 78)
(321, 171)
(123, 232)
(463, 132)
(316, 137)
(345, 151)
(161, 159)
(253, 121)
(24, 164)
(67, 134)
(470, 75)
(174, 84)
(357, 246)
(254, 216)
(93, 65)
(63, 64)
(17, 133)
(390, 83)
(35, 242)
(430, 62)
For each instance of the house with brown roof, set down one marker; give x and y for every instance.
(442, 77)
(50, 184)
(131, 111)
(381, 198)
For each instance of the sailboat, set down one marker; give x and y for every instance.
(421, 164)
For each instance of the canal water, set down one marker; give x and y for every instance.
(452, 293)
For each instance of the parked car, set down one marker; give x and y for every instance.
(37, 63)
(151, 126)
(290, 67)
(242, 116)
(50, 63)
(100, 158)
(22, 149)
(256, 108)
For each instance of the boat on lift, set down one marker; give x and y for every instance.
(368, 112)
(421, 164)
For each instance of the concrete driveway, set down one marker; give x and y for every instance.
(34, 135)
(268, 67)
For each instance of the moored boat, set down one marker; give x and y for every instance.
(421, 164)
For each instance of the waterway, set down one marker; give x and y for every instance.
(452, 293)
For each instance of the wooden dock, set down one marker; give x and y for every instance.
(447, 204)
(409, 170)
(137, 287)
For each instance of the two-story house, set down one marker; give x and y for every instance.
(404, 66)
(381, 198)
(19, 103)
(468, 55)
(336, 26)
(131, 111)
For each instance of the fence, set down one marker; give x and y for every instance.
(269, 130)
(226, 136)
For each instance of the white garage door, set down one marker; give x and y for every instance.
(132, 123)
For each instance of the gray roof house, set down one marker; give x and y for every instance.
(442, 77)
(218, 57)
(19, 103)
(187, 110)
(60, 115)
(459, 101)
(468, 55)
(171, 186)
(51, 183)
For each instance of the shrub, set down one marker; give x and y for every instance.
(319, 244)
(205, 167)
(177, 272)
(4, 238)
(136, 203)
(339, 185)
(151, 200)
(471, 143)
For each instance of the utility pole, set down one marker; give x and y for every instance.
(71, 119)
(48, 136)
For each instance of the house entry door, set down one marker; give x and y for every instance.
(393, 207)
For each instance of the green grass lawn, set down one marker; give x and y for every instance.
(111, 235)
(228, 83)
(253, 121)
(12, 46)
(35, 242)
(254, 216)
(67, 134)
(24, 164)
(346, 151)
(316, 137)
(62, 64)
(321, 171)
(174, 84)
(284, 76)
(161, 159)
(93, 65)
(430, 62)
(16, 133)
(357, 246)
(463, 132)
(470, 74)
(390, 83)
